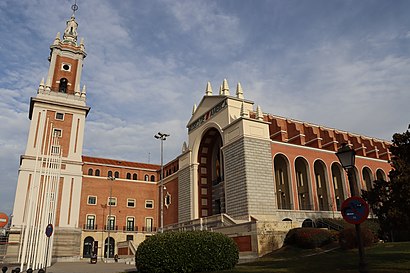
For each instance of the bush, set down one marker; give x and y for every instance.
(348, 239)
(191, 251)
(308, 237)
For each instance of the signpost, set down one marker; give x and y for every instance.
(355, 211)
(49, 232)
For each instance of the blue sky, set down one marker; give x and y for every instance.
(341, 64)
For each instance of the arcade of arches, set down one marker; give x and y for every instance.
(316, 193)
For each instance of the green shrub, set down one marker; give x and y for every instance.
(191, 251)
(348, 239)
(308, 237)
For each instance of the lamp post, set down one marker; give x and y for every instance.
(109, 216)
(162, 137)
(346, 156)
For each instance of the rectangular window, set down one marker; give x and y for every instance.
(130, 224)
(299, 177)
(149, 204)
(90, 222)
(130, 237)
(55, 150)
(112, 201)
(335, 182)
(131, 203)
(318, 181)
(92, 200)
(111, 223)
(57, 132)
(149, 222)
(59, 116)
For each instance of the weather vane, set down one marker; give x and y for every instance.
(74, 7)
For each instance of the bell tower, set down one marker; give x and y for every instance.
(50, 174)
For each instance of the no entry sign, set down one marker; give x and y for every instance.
(355, 210)
(4, 219)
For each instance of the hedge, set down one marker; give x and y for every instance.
(308, 237)
(191, 251)
(348, 240)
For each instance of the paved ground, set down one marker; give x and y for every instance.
(84, 267)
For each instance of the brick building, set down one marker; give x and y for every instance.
(242, 172)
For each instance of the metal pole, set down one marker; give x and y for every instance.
(109, 217)
(162, 185)
(362, 260)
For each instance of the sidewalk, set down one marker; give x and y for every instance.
(84, 267)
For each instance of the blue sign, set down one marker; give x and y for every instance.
(355, 210)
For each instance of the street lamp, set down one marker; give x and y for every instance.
(346, 156)
(162, 137)
(109, 216)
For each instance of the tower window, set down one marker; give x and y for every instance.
(57, 132)
(116, 174)
(66, 67)
(90, 171)
(129, 176)
(63, 85)
(59, 116)
(97, 172)
(134, 176)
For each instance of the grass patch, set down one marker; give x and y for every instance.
(381, 258)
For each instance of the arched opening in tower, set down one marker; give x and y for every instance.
(211, 184)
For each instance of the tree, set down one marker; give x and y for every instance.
(390, 201)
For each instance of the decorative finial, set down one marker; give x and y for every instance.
(239, 91)
(243, 112)
(83, 93)
(225, 88)
(220, 90)
(208, 90)
(74, 7)
(194, 109)
(259, 113)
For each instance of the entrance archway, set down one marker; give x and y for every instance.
(211, 184)
(112, 246)
(88, 247)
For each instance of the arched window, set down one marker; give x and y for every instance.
(116, 174)
(90, 171)
(146, 178)
(134, 176)
(109, 174)
(152, 178)
(63, 85)
(128, 176)
(97, 172)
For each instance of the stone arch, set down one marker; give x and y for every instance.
(211, 183)
(112, 247)
(321, 185)
(302, 183)
(308, 223)
(338, 185)
(380, 175)
(88, 246)
(367, 178)
(282, 181)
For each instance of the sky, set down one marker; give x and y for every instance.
(337, 63)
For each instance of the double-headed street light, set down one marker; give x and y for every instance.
(162, 137)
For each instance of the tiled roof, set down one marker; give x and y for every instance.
(122, 163)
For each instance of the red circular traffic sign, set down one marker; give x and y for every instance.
(49, 230)
(4, 219)
(355, 210)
